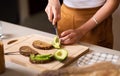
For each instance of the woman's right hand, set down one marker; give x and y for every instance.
(53, 11)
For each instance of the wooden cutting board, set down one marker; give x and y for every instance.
(74, 51)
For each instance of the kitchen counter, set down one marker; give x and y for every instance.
(12, 30)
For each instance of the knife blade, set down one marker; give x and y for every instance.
(56, 31)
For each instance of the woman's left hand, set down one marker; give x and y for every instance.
(70, 36)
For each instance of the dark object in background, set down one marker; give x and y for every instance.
(39, 19)
(38, 5)
(9, 11)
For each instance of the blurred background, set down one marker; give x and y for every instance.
(30, 13)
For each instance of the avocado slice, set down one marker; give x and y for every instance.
(61, 54)
(56, 42)
(43, 56)
(40, 58)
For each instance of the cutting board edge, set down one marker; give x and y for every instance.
(70, 62)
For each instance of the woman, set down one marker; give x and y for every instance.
(85, 20)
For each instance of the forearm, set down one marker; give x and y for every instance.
(109, 7)
(106, 10)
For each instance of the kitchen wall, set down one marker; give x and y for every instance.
(116, 28)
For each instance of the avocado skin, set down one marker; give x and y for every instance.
(56, 42)
(63, 52)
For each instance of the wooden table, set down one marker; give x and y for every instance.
(12, 30)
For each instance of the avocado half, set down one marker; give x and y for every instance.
(56, 42)
(61, 54)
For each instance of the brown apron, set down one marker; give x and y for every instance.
(73, 18)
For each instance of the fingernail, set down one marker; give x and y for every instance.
(62, 34)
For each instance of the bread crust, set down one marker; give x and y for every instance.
(41, 45)
(27, 50)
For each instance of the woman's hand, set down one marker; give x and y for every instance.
(70, 36)
(53, 11)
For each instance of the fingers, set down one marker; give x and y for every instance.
(66, 33)
(49, 13)
(53, 13)
(56, 15)
(68, 41)
(67, 37)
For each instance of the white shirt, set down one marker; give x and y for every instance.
(83, 3)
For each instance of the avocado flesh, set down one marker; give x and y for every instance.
(56, 42)
(40, 57)
(43, 56)
(61, 54)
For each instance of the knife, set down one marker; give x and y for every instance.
(56, 31)
(12, 53)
